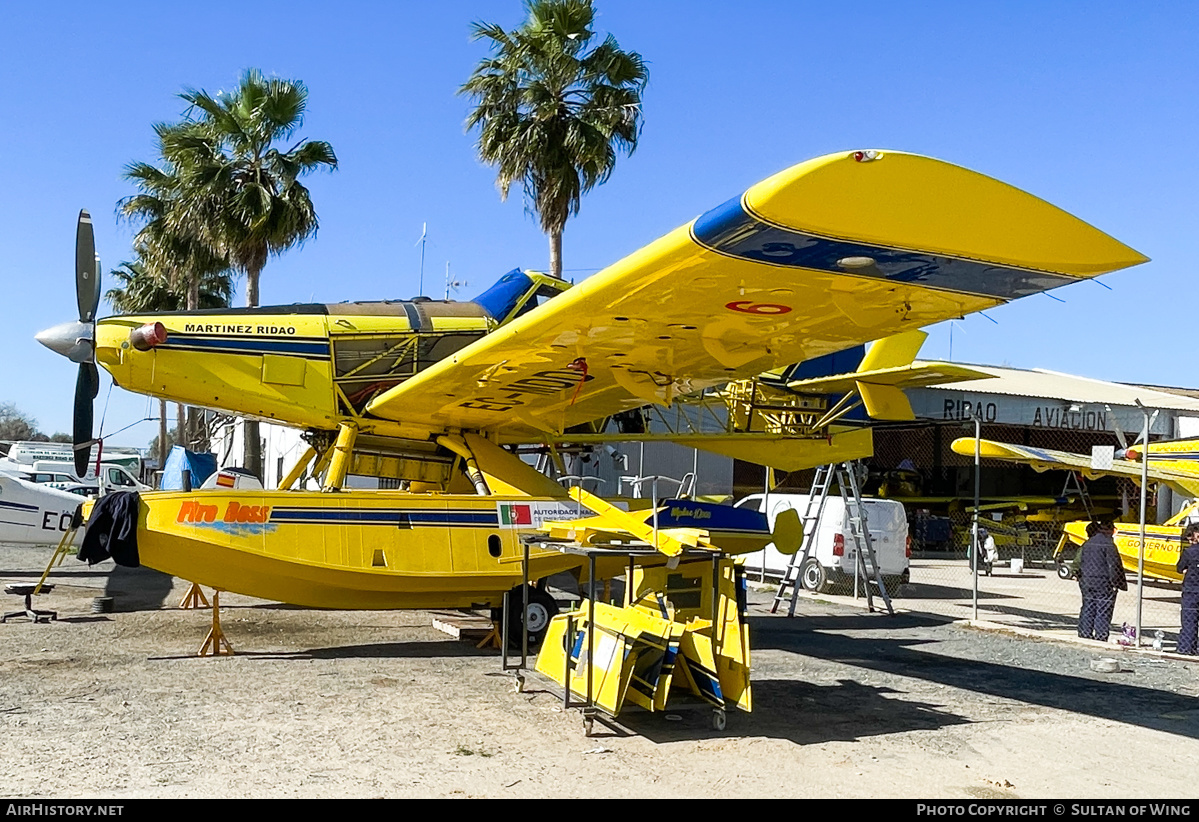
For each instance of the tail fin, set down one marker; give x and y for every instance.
(896, 351)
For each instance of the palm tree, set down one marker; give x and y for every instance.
(244, 192)
(240, 194)
(168, 243)
(144, 289)
(551, 114)
(168, 237)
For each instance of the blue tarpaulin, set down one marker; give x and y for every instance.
(200, 466)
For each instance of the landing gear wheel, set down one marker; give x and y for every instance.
(813, 577)
(1063, 571)
(719, 720)
(542, 608)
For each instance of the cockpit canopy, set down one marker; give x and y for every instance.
(518, 292)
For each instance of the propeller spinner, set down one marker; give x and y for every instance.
(77, 340)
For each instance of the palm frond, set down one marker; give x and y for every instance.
(552, 111)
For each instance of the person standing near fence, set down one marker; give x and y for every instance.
(1188, 566)
(1100, 575)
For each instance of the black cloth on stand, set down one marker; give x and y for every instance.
(112, 530)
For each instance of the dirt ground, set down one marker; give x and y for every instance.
(380, 704)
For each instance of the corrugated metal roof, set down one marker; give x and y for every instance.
(1039, 382)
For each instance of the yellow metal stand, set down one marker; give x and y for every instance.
(194, 598)
(60, 553)
(216, 644)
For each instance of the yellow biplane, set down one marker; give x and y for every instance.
(1174, 463)
(831, 253)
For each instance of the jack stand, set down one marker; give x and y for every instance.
(194, 598)
(492, 640)
(216, 644)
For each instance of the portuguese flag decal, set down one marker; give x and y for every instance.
(515, 514)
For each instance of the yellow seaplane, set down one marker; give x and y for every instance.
(831, 253)
(1174, 463)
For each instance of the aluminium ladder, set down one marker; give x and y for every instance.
(859, 535)
(1076, 483)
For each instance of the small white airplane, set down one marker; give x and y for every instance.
(35, 514)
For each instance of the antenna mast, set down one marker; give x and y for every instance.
(424, 230)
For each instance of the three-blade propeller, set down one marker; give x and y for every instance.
(77, 340)
(87, 294)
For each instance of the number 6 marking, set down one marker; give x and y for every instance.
(748, 307)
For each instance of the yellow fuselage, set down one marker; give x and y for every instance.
(1163, 544)
(307, 369)
(355, 549)
(365, 549)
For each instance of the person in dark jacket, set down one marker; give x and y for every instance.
(1100, 575)
(1188, 566)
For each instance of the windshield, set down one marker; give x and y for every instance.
(501, 298)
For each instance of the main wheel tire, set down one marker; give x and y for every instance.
(813, 577)
(542, 609)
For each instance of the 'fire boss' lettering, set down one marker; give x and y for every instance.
(192, 511)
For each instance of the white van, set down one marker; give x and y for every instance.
(833, 556)
(112, 477)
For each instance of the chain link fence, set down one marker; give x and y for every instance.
(1023, 510)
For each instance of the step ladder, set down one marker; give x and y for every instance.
(1076, 484)
(845, 475)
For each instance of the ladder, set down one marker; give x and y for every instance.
(859, 534)
(1075, 483)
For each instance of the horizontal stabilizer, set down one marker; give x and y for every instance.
(786, 453)
(918, 375)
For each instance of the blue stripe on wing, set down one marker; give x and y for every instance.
(732, 230)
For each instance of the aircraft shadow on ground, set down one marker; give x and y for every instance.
(60, 573)
(805, 713)
(132, 589)
(1041, 621)
(137, 589)
(829, 638)
(378, 650)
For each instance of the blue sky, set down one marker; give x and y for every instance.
(1091, 106)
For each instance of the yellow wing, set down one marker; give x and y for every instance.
(1044, 459)
(828, 254)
